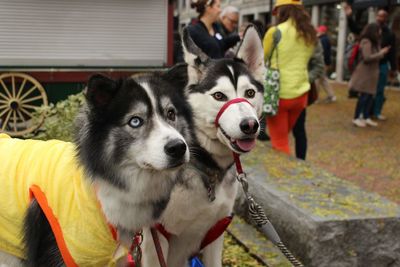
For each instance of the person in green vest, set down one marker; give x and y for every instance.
(291, 55)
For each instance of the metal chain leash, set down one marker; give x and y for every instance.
(257, 214)
(135, 250)
(256, 211)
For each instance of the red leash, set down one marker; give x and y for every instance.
(255, 210)
(157, 244)
(238, 164)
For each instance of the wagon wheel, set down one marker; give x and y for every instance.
(20, 95)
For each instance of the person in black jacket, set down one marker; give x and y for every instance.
(387, 39)
(227, 26)
(228, 21)
(205, 32)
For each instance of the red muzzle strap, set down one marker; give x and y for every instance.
(226, 105)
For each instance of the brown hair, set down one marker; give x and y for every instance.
(200, 6)
(371, 32)
(305, 29)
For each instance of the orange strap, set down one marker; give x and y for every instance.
(36, 192)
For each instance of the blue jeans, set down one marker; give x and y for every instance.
(364, 105)
(380, 97)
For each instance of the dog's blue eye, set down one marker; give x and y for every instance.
(135, 122)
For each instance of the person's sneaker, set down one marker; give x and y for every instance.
(359, 122)
(262, 136)
(332, 99)
(370, 122)
(381, 117)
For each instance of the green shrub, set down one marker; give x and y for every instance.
(59, 121)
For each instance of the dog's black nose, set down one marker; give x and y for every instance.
(249, 126)
(175, 148)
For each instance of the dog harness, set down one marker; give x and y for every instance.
(216, 231)
(48, 172)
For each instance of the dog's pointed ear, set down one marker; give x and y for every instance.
(177, 75)
(194, 57)
(100, 91)
(252, 53)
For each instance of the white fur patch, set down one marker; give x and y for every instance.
(8, 260)
(231, 70)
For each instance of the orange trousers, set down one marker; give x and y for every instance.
(280, 125)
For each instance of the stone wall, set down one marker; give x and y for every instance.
(323, 220)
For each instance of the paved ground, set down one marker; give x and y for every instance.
(369, 157)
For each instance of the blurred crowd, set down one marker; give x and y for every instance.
(304, 63)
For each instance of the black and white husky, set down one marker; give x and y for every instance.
(131, 142)
(206, 188)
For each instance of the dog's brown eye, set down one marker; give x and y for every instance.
(250, 93)
(219, 96)
(171, 114)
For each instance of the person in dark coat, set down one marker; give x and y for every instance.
(365, 77)
(205, 32)
(228, 21)
(387, 39)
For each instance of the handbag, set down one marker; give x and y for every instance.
(272, 81)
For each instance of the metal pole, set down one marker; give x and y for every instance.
(341, 42)
(270, 11)
(315, 15)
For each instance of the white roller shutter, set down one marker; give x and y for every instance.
(83, 33)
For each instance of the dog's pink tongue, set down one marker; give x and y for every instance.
(246, 144)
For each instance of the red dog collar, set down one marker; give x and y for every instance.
(226, 105)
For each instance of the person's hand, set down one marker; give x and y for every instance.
(347, 9)
(385, 50)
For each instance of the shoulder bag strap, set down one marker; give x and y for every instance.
(276, 38)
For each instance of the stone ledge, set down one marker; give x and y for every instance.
(324, 220)
(256, 244)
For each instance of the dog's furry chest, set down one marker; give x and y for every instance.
(200, 213)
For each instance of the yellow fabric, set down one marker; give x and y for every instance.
(52, 166)
(293, 57)
(287, 2)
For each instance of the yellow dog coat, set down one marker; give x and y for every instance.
(48, 171)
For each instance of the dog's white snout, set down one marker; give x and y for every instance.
(175, 148)
(249, 125)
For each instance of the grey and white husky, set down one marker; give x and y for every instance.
(130, 144)
(206, 188)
